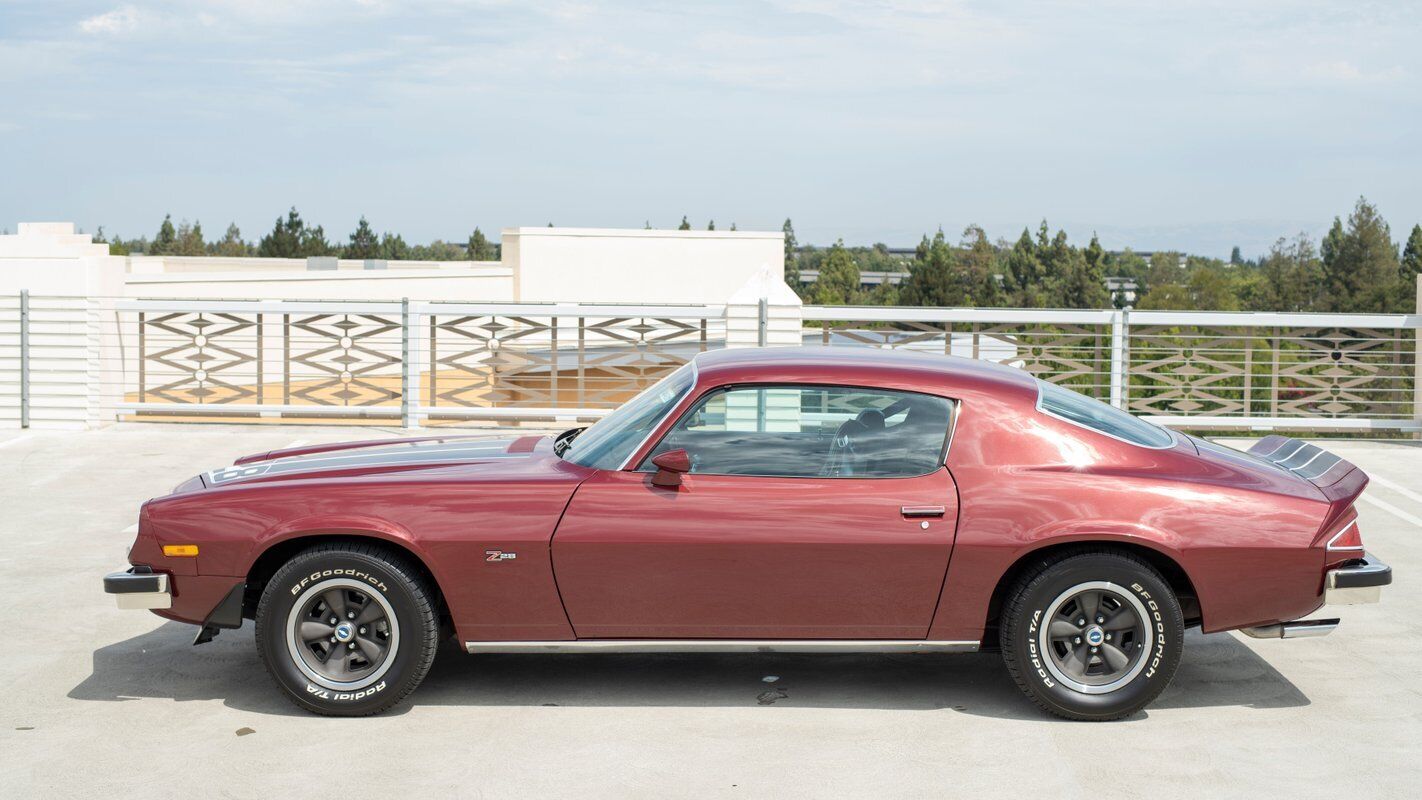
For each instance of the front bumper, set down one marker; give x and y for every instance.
(1359, 581)
(139, 588)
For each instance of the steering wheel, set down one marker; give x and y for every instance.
(843, 458)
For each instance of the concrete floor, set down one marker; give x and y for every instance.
(98, 701)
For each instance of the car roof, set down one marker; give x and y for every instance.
(863, 365)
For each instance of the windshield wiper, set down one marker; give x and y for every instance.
(564, 440)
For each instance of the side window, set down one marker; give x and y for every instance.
(812, 432)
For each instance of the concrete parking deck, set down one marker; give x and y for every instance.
(98, 701)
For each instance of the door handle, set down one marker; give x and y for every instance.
(917, 512)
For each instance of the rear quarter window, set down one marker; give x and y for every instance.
(1086, 412)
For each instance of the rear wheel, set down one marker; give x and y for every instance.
(347, 630)
(1092, 636)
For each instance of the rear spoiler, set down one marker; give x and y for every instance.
(1339, 480)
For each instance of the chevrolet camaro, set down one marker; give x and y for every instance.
(795, 500)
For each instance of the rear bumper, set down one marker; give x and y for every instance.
(1359, 581)
(139, 588)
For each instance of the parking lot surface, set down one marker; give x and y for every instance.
(102, 702)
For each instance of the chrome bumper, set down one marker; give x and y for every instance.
(1292, 630)
(139, 588)
(1360, 581)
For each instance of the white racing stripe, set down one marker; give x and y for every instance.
(1393, 510)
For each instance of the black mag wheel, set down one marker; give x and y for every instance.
(347, 629)
(1093, 635)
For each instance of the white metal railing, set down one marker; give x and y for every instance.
(78, 361)
(1204, 369)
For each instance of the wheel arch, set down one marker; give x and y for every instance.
(1169, 568)
(277, 552)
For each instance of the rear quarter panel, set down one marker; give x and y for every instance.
(1029, 481)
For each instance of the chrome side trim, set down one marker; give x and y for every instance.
(1297, 629)
(726, 646)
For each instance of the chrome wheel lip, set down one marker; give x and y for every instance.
(1049, 655)
(300, 653)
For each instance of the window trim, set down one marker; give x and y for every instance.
(652, 431)
(1174, 440)
(954, 409)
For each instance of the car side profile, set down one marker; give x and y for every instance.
(787, 500)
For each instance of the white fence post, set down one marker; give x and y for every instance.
(409, 365)
(1119, 365)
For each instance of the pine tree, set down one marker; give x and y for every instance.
(684, 226)
(189, 241)
(792, 266)
(393, 247)
(231, 244)
(1235, 257)
(285, 239)
(839, 277)
(1361, 267)
(711, 226)
(166, 242)
(931, 280)
(1025, 269)
(733, 226)
(1081, 282)
(1412, 255)
(364, 243)
(479, 247)
(1292, 277)
(977, 271)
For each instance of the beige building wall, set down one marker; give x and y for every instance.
(606, 265)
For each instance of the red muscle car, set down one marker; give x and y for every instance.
(787, 500)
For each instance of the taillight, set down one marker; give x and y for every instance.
(1350, 539)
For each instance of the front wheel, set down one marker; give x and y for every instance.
(1092, 636)
(347, 630)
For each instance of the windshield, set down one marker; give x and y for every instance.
(608, 443)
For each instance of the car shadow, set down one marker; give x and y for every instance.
(1217, 670)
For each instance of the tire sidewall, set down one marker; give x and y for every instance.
(376, 577)
(1165, 640)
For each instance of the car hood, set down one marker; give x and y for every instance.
(384, 456)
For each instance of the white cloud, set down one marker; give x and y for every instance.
(119, 20)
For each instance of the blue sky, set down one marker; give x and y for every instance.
(1192, 124)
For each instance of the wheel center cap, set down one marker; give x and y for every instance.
(345, 632)
(1095, 636)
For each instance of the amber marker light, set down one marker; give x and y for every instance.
(180, 550)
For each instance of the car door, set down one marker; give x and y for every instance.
(810, 512)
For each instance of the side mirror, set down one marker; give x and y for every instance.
(670, 465)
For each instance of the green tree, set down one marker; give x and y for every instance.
(1235, 257)
(393, 247)
(189, 240)
(1211, 289)
(711, 226)
(364, 243)
(1361, 268)
(479, 247)
(285, 239)
(1412, 255)
(166, 242)
(231, 244)
(1024, 269)
(684, 226)
(932, 278)
(838, 283)
(978, 263)
(1291, 277)
(1081, 276)
(792, 268)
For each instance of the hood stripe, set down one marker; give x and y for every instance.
(406, 455)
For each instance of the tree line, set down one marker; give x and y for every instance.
(1357, 267)
(292, 237)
